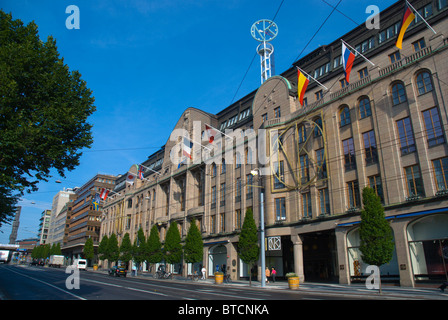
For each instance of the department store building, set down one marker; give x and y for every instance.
(386, 129)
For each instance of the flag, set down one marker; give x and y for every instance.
(408, 17)
(347, 59)
(96, 201)
(302, 85)
(103, 194)
(211, 133)
(140, 172)
(130, 178)
(187, 148)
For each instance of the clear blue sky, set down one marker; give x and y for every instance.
(146, 61)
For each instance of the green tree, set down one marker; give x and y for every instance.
(194, 246)
(113, 251)
(377, 243)
(88, 249)
(173, 247)
(44, 109)
(248, 248)
(154, 253)
(126, 249)
(102, 248)
(139, 248)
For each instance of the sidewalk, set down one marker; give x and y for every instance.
(425, 292)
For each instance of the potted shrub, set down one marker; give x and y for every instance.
(219, 277)
(293, 280)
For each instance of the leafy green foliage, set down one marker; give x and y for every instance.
(126, 248)
(377, 243)
(113, 251)
(248, 248)
(154, 253)
(173, 247)
(43, 111)
(88, 249)
(194, 246)
(139, 248)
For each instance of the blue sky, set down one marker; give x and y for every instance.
(147, 61)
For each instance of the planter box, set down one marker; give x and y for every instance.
(219, 278)
(293, 283)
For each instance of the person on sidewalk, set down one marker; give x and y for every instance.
(268, 274)
(203, 272)
(273, 273)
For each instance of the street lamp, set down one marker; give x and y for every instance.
(256, 172)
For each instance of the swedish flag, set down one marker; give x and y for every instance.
(96, 202)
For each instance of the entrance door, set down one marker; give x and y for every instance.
(217, 257)
(319, 256)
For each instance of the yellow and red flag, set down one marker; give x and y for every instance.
(408, 17)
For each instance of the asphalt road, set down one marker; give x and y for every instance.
(39, 283)
(23, 282)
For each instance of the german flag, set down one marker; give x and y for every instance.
(302, 85)
(408, 17)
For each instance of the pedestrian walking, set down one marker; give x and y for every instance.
(268, 274)
(273, 274)
(203, 272)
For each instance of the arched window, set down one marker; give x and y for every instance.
(398, 93)
(345, 116)
(424, 82)
(364, 108)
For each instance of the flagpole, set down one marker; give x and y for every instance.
(421, 17)
(219, 131)
(150, 169)
(320, 84)
(198, 144)
(358, 52)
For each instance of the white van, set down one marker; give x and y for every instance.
(80, 263)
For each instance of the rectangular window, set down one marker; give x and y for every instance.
(214, 195)
(279, 176)
(304, 168)
(324, 201)
(354, 200)
(414, 181)
(321, 164)
(277, 113)
(433, 126)
(349, 154)
(441, 173)
(238, 219)
(238, 190)
(280, 209)
(319, 95)
(375, 184)
(363, 73)
(213, 224)
(306, 205)
(406, 135)
(264, 117)
(394, 57)
(249, 183)
(370, 147)
(222, 194)
(222, 222)
(419, 45)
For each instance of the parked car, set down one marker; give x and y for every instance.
(118, 271)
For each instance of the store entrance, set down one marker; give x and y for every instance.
(320, 256)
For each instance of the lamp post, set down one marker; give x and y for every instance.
(256, 172)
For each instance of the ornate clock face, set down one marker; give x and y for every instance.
(264, 30)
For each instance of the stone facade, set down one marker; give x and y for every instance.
(386, 129)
